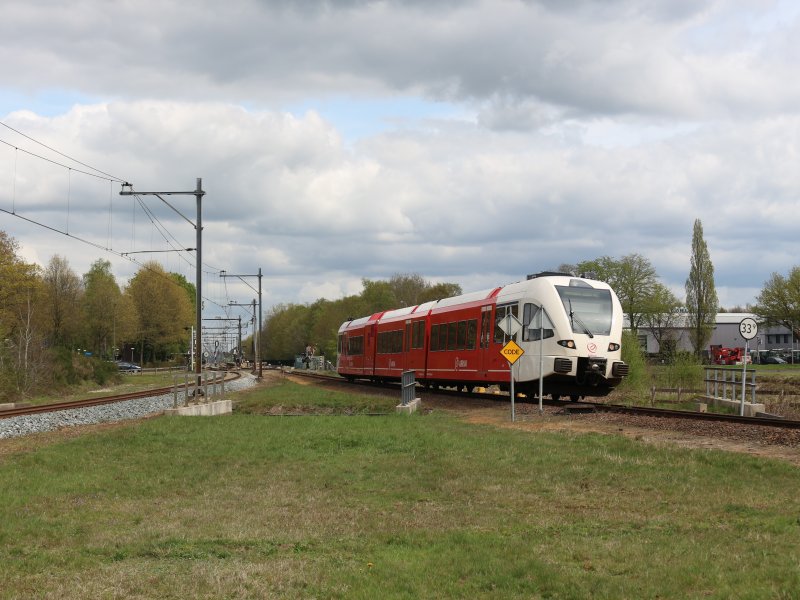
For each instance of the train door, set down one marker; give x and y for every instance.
(497, 364)
(414, 347)
(484, 342)
(370, 347)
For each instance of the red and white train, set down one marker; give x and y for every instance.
(457, 341)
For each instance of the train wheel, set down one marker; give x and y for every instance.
(574, 398)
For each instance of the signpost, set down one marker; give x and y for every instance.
(510, 325)
(748, 328)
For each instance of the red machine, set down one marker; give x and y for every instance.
(727, 356)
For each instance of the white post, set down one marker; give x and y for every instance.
(541, 359)
(511, 368)
(744, 375)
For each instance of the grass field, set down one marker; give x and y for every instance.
(349, 506)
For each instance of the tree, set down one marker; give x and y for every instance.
(109, 318)
(779, 301)
(378, 296)
(191, 289)
(440, 290)
(22, 347)
(164, 310)
(63, 290)
(701, 295)
(660, 315)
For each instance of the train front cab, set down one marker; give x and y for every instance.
(578, 334)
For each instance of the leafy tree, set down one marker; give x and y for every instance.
(701, 294)
(23, 353)
(779, 301)
(378, 296)
(439, 291)
(407, 288)
(660, 315)
(289, 327)
(63, 291)
(191, 289)
(110, 317)
(164, 310)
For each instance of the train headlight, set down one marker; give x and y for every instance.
(612, 347)
(567, 344)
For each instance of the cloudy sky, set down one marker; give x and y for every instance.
(468, 141)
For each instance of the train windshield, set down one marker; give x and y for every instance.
(588, 309)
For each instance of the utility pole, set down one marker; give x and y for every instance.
(257, 335)
(198, 193)
(255, 332)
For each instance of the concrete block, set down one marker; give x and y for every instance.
(206, 409)
(409, 408)
(750, 409)
(700, 407)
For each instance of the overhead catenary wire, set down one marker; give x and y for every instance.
(75, 160)
(102, 175)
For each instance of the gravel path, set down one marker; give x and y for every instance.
(107, 413)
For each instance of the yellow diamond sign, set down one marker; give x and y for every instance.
(511, 352)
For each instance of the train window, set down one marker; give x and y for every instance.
(443, 336)
(434, 338)
(397, 341)
(461, 338)
(589, 310)
(408, 336)
(418, 335)
(452, 340)
(533, 328)
(472, 329)
(355, 345)
(499, 315)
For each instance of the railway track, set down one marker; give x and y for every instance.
(594, 406)
(86, 403)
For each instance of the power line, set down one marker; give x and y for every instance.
(50, 160)
(75, 160)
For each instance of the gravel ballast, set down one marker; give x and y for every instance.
(106, 413)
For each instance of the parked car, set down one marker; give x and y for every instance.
(772, 360)
(128, 367)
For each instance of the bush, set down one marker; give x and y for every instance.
(638, 379)
(684, 371)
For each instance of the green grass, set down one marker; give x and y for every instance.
(285, 396)
(247, 506)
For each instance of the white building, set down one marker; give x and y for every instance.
(778, 340)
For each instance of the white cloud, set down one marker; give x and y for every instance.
(562, 131)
